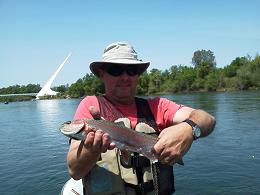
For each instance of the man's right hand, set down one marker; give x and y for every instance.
(83, 155)
(97, 141)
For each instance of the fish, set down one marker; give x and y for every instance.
(123, 137)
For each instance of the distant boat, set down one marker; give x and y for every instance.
(6, 102)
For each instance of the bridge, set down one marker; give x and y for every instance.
(46, 90)
(19, 94)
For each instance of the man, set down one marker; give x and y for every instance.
(105, 169)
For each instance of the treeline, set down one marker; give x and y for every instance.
(241, 74)
(18, 89)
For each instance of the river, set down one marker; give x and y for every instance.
(33, 156)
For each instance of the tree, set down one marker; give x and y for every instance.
(231, 70)
(92, 85)
(61, 88)
(76, 89)
(143, 84)
(243, 75)
(255, 69)
(16, 89)
(212, 81)
(155, 81)
(181, 78)
(202, 57)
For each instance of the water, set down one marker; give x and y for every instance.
(33, 156)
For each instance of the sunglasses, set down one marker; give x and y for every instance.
(118, 70)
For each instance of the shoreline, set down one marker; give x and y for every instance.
(8, 99)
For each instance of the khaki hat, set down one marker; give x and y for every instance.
(119, 53)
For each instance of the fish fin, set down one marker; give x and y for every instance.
(122, 146)
(125, 121)
(144, 128)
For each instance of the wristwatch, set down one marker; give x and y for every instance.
(196, 131)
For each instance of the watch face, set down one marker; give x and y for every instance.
(197, 131)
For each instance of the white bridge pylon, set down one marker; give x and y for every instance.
(46, 90)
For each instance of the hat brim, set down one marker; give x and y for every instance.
(142, 66)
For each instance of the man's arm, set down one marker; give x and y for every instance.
(83, 155)
(175, 141)
(203, 119)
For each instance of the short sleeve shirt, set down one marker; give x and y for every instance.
(163, 110)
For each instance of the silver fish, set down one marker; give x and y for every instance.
(124, 138)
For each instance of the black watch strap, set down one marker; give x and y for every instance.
(196, 132)
(190, 122)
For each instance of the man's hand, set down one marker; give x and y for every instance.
(83, 155)
(174, 142)
(97, 141)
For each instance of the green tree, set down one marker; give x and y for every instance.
(92, 85)
(155, 81)
(16, 89)
(76, 89)
(255, 69)
(166, 78)
(143, 84)
(203, 70)
(61, 88)
(243, 75)
(231, 70)
(198, 84)
(202, 57)
(181, 78)
(204, 62)
(186, 78)
(212, 83)
(173, 72)
(32, 88)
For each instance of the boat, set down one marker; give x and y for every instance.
(72, 187)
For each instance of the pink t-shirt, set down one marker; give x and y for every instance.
(162, 109)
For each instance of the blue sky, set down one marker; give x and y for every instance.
(36, 36)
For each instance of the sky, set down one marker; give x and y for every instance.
(36, 36)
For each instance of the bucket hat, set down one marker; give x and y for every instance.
(119, 53)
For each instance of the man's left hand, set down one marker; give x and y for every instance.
(174, 142)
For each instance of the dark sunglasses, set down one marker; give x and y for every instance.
(118, 70)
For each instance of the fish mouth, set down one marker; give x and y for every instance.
(72, 127)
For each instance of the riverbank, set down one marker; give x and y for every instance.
(29, 98)
(4, 99)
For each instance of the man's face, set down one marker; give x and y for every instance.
(120, 82)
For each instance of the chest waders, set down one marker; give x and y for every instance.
(121, 172)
